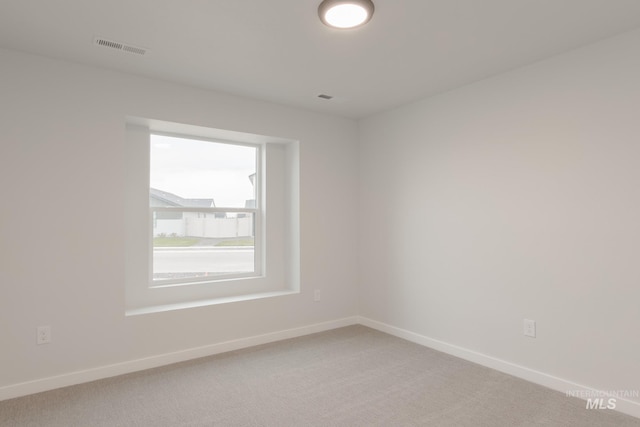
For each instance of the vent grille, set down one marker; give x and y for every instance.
(111, 44)
(323, 96)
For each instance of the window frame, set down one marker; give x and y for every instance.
(281, 255)
(258, 218)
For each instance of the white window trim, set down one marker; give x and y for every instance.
(280, 230)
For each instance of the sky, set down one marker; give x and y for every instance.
(195, 169)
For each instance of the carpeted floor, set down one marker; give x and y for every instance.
(352, 376)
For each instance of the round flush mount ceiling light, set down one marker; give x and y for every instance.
(345, 13)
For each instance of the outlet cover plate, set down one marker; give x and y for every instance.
(530, 328)
(43, 335)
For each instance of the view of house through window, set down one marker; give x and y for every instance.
(203, 205)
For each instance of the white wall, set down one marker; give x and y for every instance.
(62, 162)
(514, 197)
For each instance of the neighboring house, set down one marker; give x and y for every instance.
(159, 198)
(195, 224)
(251, 204)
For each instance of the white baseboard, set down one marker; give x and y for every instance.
(78, 377)
(22, 389)
(622, 405)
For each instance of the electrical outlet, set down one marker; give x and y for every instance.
(530, 328)
(316, 295)
(44, 335)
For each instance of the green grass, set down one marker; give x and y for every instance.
(236, 242)
(159, 242)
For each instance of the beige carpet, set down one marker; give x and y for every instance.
(352, 376)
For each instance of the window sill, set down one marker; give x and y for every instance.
(207, 302)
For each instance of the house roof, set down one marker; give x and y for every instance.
(164, 198)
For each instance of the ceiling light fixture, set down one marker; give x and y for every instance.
(345, 13)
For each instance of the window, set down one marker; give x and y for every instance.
(211, 216)
(205, 209)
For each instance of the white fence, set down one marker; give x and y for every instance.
(168, 227)
(204, 227)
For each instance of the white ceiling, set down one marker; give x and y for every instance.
(277, 50)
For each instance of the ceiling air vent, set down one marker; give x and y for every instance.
(111, 44)
(324, 96)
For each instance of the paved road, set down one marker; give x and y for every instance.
(200, 260)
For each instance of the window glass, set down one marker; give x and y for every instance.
(202, 200)
(202, 173)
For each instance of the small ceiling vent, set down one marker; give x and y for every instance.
(325, 96)
(111, 44)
